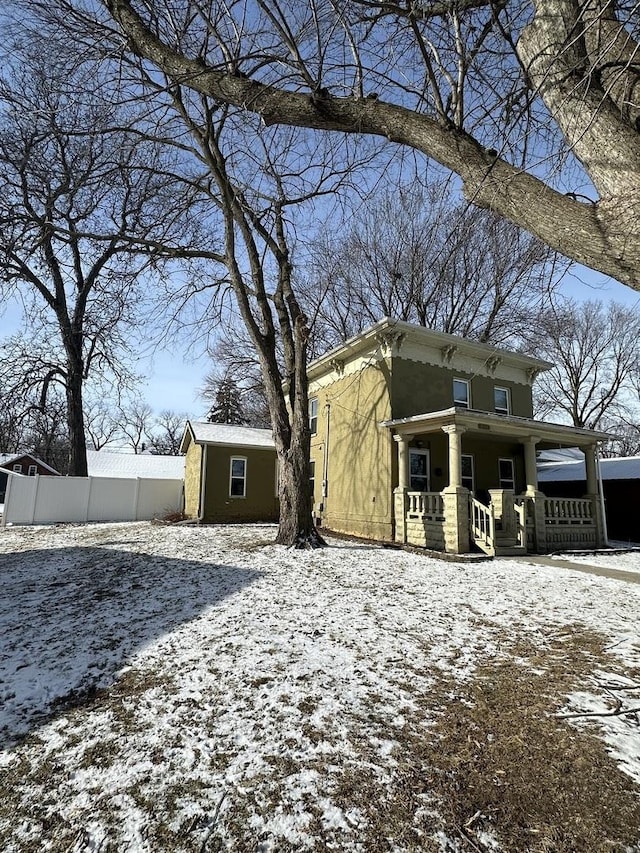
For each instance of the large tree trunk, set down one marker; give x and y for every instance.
(293, 445)
(75, 417)
(296, 502)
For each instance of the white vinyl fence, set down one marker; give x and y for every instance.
(46, 500)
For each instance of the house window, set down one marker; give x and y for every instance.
(17, 468)
(33, 470)
(502, 401)
(419, 470)
(312, 478)
(467, 472)
(313, 415)
(506, 474)
(461, 395)
(238, 477)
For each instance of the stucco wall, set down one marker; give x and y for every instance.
(260, 502)
(361, 453)
(192, 466)
(418, 388)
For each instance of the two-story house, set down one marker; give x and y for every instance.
(429, 439)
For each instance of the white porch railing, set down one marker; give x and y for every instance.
(425, 505)
(574, 511)
(483, 523)
(521, 508)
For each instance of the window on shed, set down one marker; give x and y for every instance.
(313, 415)
(501, 401)
(238, 477)
(461, 395)
(33, 470)
(17, 468)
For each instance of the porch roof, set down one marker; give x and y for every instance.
(489, 423)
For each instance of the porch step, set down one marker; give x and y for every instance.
(501, 549)
(509, 550)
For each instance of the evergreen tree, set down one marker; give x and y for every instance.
(227, 408)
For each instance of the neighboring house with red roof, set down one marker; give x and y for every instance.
(22, 463)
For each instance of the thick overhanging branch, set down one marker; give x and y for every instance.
(604, 236)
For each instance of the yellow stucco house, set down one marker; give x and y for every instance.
(418, 437)
(424, 438)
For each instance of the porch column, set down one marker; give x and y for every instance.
(455, 498)
(590, 468)
(400, 499)
(530, 467)
(402, 442)
(455, 454)
(593, 493)
(535, 498)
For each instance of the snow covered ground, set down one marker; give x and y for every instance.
(198, 689)
(626, 561)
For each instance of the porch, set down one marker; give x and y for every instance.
(502, 510)
(510, 524)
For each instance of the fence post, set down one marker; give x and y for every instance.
(136, 499)
(34, 500)
(3, 520)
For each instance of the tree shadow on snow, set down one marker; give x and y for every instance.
(71, 618)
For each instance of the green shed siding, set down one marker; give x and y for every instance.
(260, 502)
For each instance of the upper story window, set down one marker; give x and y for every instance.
(17, 468)
(238, 477)
(502, 401)
(33, 470)
(313, 415)
(461, 393)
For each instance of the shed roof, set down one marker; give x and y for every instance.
(232, 435)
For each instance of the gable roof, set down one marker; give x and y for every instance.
(619, 468)
(8, 459)
(420, 335)
(225, 435)
(102, 463)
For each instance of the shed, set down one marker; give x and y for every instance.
(230, 473)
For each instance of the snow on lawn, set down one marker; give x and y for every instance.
(165, 687)
(625, 561)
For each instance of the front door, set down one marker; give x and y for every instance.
(419, 470)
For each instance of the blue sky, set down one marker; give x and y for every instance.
(175, 376)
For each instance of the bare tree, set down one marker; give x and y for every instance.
(414, 255)
(102, 423)
(235, 361)
(536, 108)
(75, 188)
(596, 352)
(135, 424)
(167, 435)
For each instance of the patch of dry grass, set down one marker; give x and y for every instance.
(499, 764)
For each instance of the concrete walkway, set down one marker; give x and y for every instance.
(615, 574)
